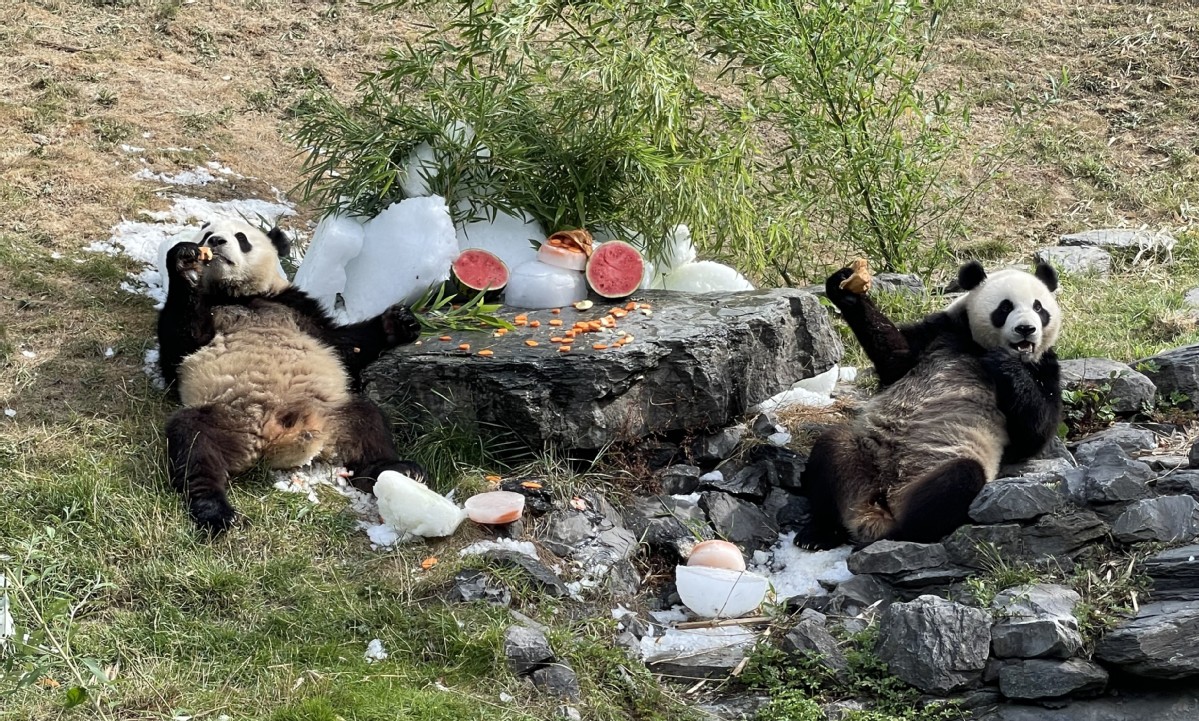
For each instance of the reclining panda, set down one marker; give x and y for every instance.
(963, 390)
(263, 372)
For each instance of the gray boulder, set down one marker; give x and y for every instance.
(1121, 705)
(557, 680)
(1051, 678)
(1017, 499)
(1159, 642)
(1062, 534)
(1130, 391)
(1035, 621)
(980, 546)
(472, 584)
(700, 361)
(526, 649)
(1168, 519)
(892, 558)
(738, 521)
(1053, 458)
(789, 511)
(1077, 260)
(535, 571)
(715, 447)
(1110, 477)
(665, 522)
(1179, 483)
(562, 531)
(1175, 573)
(783, 467)
(1131, 240)
(737, 478)
(679, 479)
(1129, 438)
(1174, 371)
(936, 645)
(898, 283)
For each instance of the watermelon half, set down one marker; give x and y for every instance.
(614, 269)
(476, 270)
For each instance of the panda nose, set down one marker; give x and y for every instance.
(1026, 330)
(214, 241)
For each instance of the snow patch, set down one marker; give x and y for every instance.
(794, 571)
(374, 651)
(7, 627)
(675, 644)
(500, 544)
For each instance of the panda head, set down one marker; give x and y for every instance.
(1011, 309)
(245, 260)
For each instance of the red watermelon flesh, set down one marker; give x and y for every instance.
(478, 270)
(615, 269)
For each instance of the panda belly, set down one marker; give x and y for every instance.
(942, 410)
(272, 382)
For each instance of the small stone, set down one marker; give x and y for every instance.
(1110, 477)
(1046, 678)
(740, 480)
(811, 637)
(1159, 642)
(738, 521)
(1129, 391)
(1179, 483)
(666, 522)
(790, 511)
(545, 579)
(526, 649)
(765, 425)
(719, 446)
(679, 479)
(892, 558)
(558, 680)
(1169, 519)
(1035, 621)
(783, 466)
(1017, 499)
(562, 531)
(1168, 462)
(472, 584)
(858, 593)
(1080, 260)
(980, 546)
(936, 645)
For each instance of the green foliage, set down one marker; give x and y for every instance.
(799, 685)
(1086, 409)
(778, 131)
(439, 310)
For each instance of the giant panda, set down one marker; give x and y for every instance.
(962, 390)
(262, 372)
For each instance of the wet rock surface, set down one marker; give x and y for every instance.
(697, 363)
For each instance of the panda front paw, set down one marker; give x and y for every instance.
(400, 325)
(834, 292)
(212, 514)
(185, 263)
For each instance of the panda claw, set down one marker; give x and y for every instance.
(400, 325)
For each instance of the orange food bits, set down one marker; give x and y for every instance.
(464, 346)
(556, 311)
(532, 343)
(600, 346)
(619, 313)
(608, 322)
(428, 563)
(555, 322)
(486, 353)
(630, 306)
(501, 331)
(534, 324)
(444, 337)
(522, 316)
(520, 322)
(533, 485)
(557, 339)
(563, 349)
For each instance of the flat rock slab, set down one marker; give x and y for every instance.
(1159, 642)
(1128, 390)
(1175, 573)
(699, 361)
(1174, 371)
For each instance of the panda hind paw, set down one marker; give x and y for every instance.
(213, 514)
(400, 325)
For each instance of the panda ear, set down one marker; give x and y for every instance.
(971, 275)
(279, 239)
(1047, 275)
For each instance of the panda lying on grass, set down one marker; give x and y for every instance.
(963, 390)
(263, 372)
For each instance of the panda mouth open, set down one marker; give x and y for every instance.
(1024, 346)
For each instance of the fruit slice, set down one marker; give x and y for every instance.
(615, 269)
(476, 270)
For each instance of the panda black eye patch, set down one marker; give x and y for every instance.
(1001, 312)
(243, 241)
(1041, 312)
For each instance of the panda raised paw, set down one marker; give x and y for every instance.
(400, 325)
(186, 261)
(833, 290)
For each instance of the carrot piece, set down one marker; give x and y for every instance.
(464, 346)
(556, 311)
(630, 306)
(600, 346)
(428, 563)
(522, 316)
(556, 339)
(619, 313)
(534, 485)
(563, 349)
(444, 337)
(534, 324)
(555, 322)
(532, 343)
(486, 353)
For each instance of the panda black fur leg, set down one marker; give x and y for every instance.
(931, 507)
(185, 322)
(200, 443)
(365, 445)
(832, 471)
(1030, 397)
